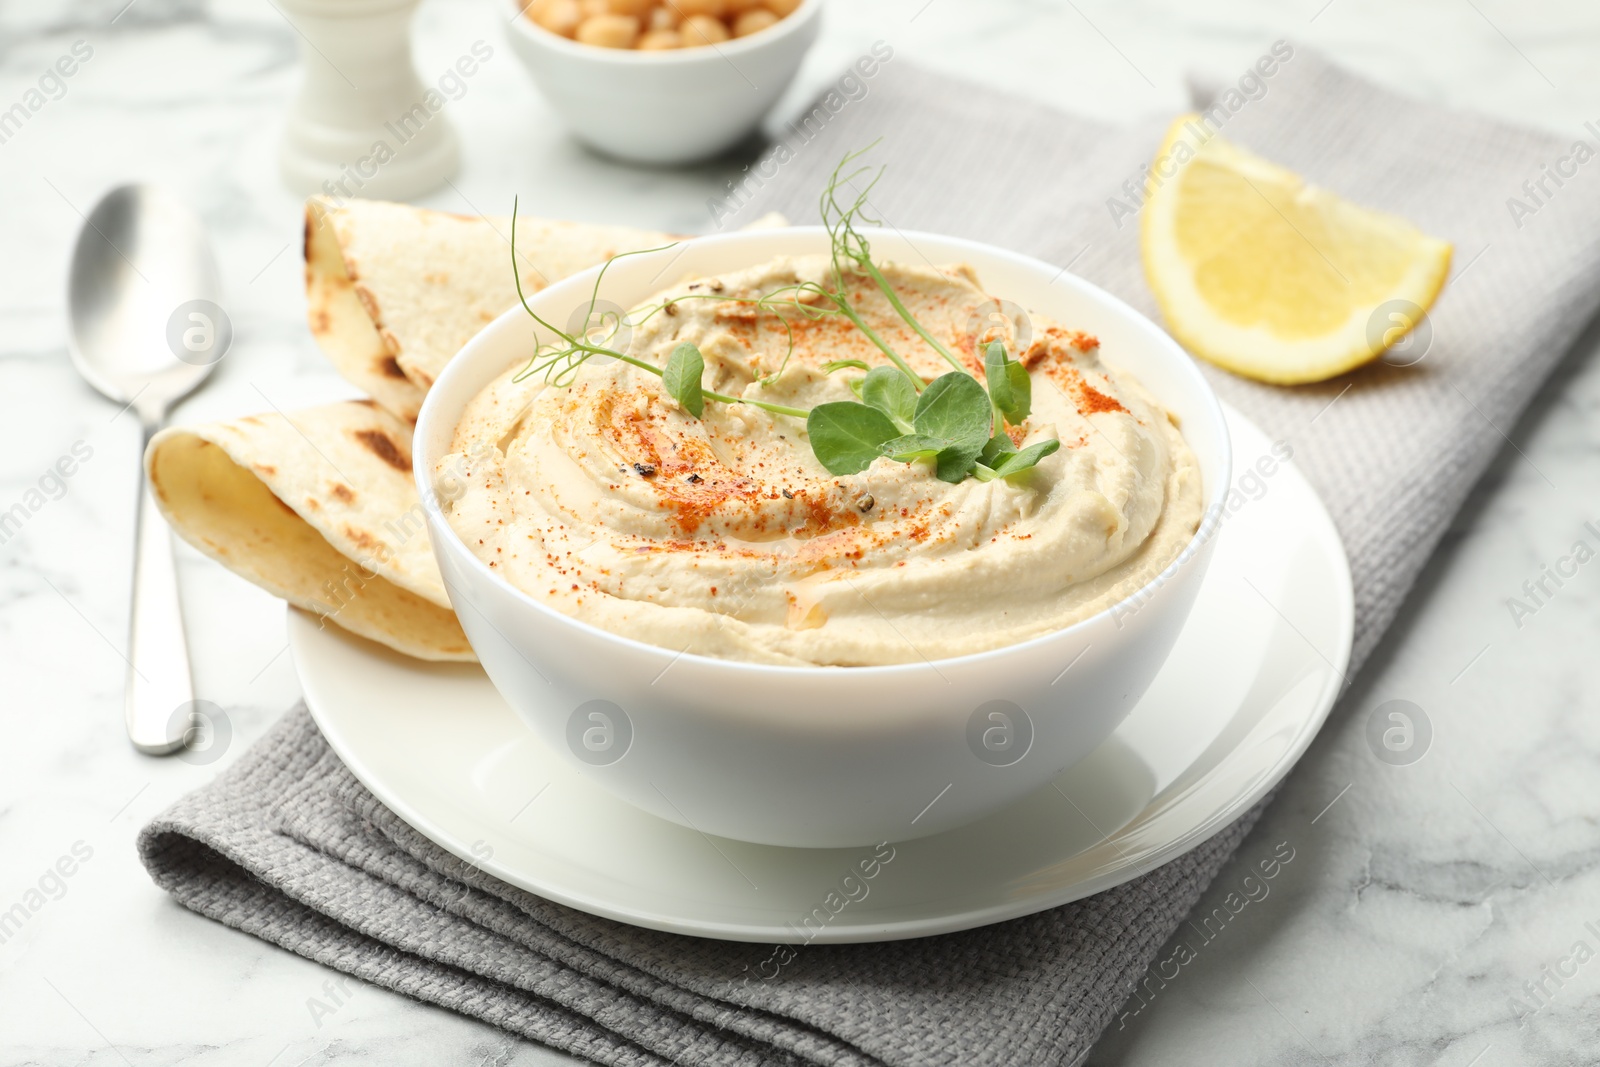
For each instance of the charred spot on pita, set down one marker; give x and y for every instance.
(383, 446)
(362, 538)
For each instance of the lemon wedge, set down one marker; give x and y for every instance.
(1270, 277)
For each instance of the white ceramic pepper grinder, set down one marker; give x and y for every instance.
(363, 124)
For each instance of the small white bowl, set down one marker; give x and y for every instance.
(821, 756)
(668, 107)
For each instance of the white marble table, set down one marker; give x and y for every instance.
(1421, 899)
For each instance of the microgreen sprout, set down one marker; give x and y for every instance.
(848, 243)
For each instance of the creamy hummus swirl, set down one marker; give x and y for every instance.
(725, 536)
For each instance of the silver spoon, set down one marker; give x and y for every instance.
(146, 329)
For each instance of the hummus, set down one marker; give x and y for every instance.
(725, 536)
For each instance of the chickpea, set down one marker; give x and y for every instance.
(781, 8)
(590, 8)
(753, 22)
(690, 8)
(660, 41)
(739, 7)
(699, 30)
(557, 16)
(635, 8)
(609, 31)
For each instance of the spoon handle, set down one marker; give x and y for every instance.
(159, 691)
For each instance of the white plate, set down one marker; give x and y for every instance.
(1247, 687)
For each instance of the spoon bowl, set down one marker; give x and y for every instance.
(141, 256)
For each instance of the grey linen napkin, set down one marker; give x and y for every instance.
(288, 846)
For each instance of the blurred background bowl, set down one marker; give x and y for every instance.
(668, 107)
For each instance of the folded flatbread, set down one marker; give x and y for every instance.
(317, 507)
(393, 291)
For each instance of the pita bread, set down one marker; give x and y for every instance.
(394, 291)
(319, 508)
(342, 326)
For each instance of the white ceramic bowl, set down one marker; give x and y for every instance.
(665, 107)
(817, 756)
